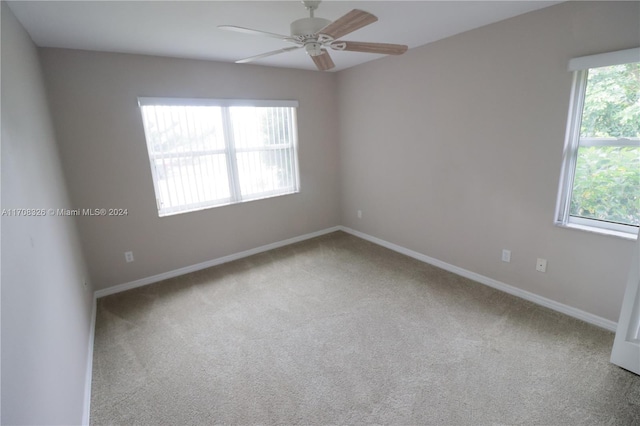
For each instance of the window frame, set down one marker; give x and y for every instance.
(229, 151)
(580, 68)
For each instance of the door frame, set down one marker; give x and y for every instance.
(626, 346)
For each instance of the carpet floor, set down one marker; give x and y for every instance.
(336, 330)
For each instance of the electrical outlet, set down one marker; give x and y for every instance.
(541, 265)
(506, 255)
(128, 256)
(359, 214)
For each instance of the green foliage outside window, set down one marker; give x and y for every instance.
(612, 102)
(607, 184)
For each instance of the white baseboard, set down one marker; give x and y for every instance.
(523, 294)
(86, 411)
(208, 264)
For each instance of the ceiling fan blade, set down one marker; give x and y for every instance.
(348, 23)
(264, 55)
(324, 61)
(255, 32)
(382, 48)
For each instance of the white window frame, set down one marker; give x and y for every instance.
(229, 151)
(579, 67)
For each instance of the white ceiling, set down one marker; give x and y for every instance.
(188, 29)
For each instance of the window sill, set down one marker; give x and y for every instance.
(227, 202)
(594, 230)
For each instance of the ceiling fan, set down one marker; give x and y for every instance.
(317, 35)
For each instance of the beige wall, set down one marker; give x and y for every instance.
(99, 128)
(46, 311)
(454, 150)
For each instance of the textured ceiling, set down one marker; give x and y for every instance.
(188, 29)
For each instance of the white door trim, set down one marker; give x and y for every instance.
(626, 347)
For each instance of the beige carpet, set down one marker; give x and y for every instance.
(336, 330)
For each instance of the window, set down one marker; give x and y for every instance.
(600, 180)
(207, 152)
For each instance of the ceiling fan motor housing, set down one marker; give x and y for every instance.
(307, 27)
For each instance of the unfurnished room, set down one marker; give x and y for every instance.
(320, 212)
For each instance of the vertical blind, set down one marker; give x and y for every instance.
(205, 153)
